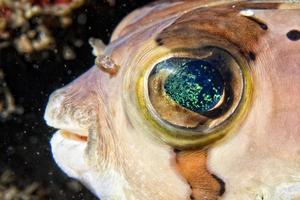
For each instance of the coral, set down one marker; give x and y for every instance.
(27, 24)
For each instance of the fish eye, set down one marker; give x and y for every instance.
(193, 85)
(195, 97)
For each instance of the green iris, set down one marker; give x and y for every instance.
(197, 86)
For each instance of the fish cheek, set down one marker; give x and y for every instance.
(193, 30)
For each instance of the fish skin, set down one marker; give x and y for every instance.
(121, 158)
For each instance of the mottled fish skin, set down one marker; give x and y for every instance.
(105, 143)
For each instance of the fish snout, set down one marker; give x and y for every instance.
(74, 108)
(73, 115)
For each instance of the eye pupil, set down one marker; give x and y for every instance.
(197, 86)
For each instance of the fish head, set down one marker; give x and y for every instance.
(202, 104)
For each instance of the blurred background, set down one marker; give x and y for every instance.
(43, 46)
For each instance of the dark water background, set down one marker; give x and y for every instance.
(24, 139)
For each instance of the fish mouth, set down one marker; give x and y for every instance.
(68, 131)
(68, 152)
(64, 124)
(73, 135)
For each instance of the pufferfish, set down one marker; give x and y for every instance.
(194, 99)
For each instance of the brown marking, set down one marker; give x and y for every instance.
(204, 185)
(164, 12)
(222, 24)
(260, 23)
(255, 5)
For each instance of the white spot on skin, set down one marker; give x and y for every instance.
(247, 13)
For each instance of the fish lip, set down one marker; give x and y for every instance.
(68, 130)
(69, 154)
(73, 135)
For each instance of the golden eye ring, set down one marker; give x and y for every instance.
(212, 130)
